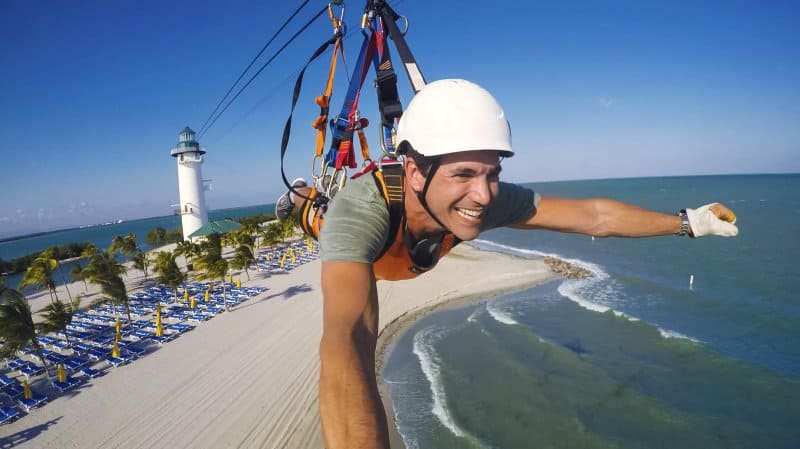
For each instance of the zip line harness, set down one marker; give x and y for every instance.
(329, 172)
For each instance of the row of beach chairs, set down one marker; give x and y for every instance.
(92, 335)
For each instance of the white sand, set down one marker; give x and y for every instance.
(247, 378)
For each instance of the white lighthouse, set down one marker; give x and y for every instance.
(192, 207)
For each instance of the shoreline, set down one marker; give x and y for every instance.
(249, 378)
(522, 274)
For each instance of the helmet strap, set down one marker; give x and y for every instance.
(421, 195)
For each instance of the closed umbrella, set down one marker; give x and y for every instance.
(238, 283)
(205, 296)
(115, 349)
(193, 303)
(159, 326)
(185, 295)
(26, 390)
(60, 373)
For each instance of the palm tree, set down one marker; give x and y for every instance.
(189, 250)
(104, 271)
(16, 325)
(141, 262)
(125, 244)
(40, 275)
(89, 251)
(58, 315)
(76, 274)
(168, 272)
(242, 259)
(211, 264)
(289, 226)
(215, 269)
(273, 234)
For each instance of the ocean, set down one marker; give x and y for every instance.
(636, 356)
(103, 235)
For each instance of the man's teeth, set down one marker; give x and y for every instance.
(470, 213)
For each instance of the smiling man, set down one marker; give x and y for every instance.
(454, 136)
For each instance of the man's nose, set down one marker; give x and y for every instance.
(482, 191)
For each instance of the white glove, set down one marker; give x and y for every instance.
(712, 219)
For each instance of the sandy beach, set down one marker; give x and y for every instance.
(247, 378)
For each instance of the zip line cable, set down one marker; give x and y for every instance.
(202, 128)
(296, 34)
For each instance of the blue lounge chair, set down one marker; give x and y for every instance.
(68, 384)
(6, 381)
(8, 414)
(31, 370)
(91, 373)
(13, 391)
(36, 401)
(117, 361)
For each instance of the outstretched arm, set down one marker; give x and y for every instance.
(606, 218)
(350, 406)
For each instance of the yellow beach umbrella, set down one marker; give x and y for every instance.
(230, 278)
(205, 297)
(186, 295)
(238, 283)
(159, 327)
(60, 373)
(283, 260)
(310, 245)
(118, 330)
(115, 349)
(193, 303)
(26, 390)
(291, 253)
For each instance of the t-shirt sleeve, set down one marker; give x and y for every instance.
(514, 204)
(356, 223)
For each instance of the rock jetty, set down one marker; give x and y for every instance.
(566, 269)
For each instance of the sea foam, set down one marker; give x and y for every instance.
(499, 315)
(430, 364)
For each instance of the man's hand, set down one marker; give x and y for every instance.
(712, 219)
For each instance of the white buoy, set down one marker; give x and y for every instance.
(192, 207)
(691, 280)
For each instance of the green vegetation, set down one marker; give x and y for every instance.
(58, 315)
(167, 271)
(159, 236)
(104, 271)
(16, 325)
(20, 264)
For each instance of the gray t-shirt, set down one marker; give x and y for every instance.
(357, 221)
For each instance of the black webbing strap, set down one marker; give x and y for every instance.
(392, 187)
(389, 104)
(389, 19)
(287, 129)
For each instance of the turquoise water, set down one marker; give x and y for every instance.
(103, 235)
(635, 356)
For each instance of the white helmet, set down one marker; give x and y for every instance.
(454, 115)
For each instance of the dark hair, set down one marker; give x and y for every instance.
(424, 163)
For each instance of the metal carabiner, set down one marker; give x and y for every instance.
(322, 166)
(405, 20)
(384, 138)
(338, 22)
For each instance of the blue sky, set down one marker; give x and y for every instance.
(93, 93)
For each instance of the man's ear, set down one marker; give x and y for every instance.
(414, 177)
